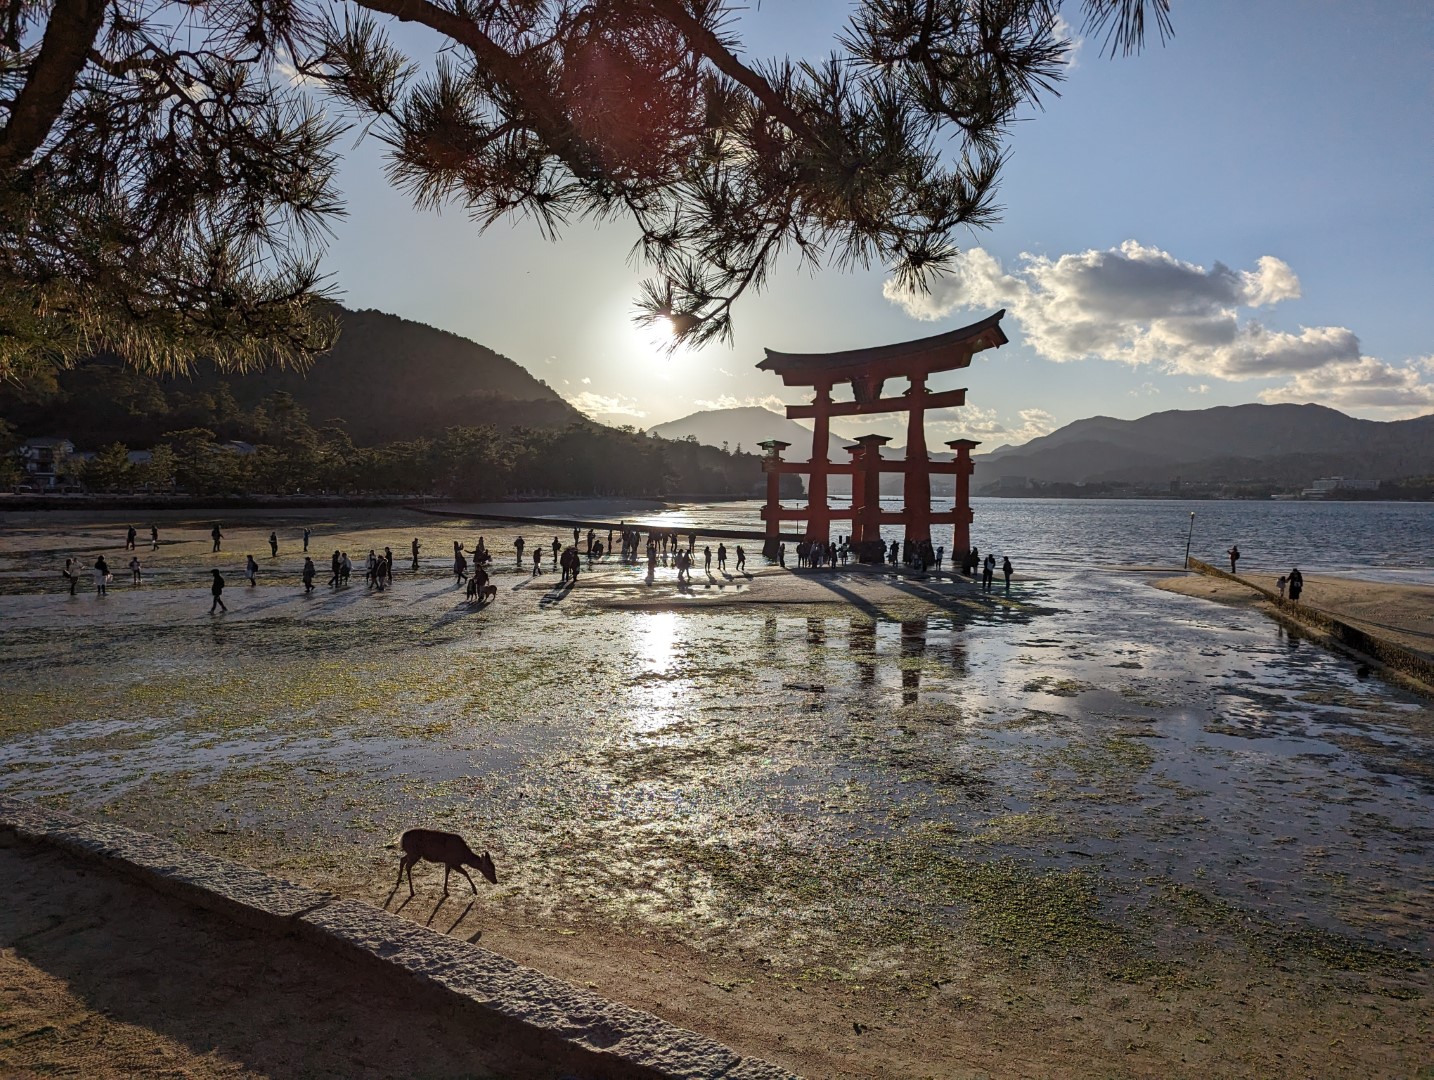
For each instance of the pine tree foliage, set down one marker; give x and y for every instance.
(168, 165)
(164, 197)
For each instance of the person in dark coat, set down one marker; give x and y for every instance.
(1297, 583)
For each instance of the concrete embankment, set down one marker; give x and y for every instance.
(1344, 632)
(572, 1032)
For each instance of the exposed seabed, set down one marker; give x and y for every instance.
(1090, 792)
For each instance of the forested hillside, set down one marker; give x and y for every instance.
(396, 407)
(387, 378)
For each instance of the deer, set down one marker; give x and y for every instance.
(447, 848)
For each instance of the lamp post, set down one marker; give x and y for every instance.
(1188, 537)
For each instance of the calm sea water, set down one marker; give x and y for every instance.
(1392, 540)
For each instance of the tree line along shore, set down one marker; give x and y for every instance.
(216, 448)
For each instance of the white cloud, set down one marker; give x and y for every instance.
(969, 421)
(598, 406)
(585, 382)
(973, 422)
(727, 401)
(292, 75)
(1202, 388)
(1064, 29)
(1145, 389)
(1144, 307)
(1272, 282)
(1034, 424)
(1365, 384)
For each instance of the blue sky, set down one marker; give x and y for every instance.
(1241, 215)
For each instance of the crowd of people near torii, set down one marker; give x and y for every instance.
(634, 546)
(919, 555)
(825, 553)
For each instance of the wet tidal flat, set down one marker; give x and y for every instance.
(1099, 799)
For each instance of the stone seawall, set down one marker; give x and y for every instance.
(577, 1032)
(1303, 616)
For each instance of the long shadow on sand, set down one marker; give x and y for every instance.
(928, 593)
(556, 595)
(143, 978)
(464, 610)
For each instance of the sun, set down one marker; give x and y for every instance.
(655, 341)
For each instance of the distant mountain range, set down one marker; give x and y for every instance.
(388, 379)
(1283, 444)
(751, 424)
(746, 427)
(1288, 445)
(391, 379)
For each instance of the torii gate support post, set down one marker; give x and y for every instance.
(961, 527)
(818, 512)
(771, 513)
(918, 474)
(866, 523)
(858, 493)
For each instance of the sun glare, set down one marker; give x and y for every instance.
(651, 342)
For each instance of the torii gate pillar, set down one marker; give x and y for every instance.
(819, 522)
(771, 513)
(866, 494)
(917, 488)
(961, 526)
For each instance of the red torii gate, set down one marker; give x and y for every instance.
(867, 370)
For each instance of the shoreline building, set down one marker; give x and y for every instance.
(867, 371)
(1326, 486)
(43, 461)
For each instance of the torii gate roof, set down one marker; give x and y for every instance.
(942, 352)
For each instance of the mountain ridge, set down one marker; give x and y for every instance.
(387, 379)
(1284, 444)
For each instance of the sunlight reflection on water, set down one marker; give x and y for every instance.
(1387, 540)
(657, 691)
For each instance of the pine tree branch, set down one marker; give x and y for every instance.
(73, 27)
(707, 43)
(541, 113)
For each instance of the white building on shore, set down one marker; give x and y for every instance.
(1333, 485)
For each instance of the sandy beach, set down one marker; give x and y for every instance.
(859, 823)
(103, 977)
(1401, 613)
